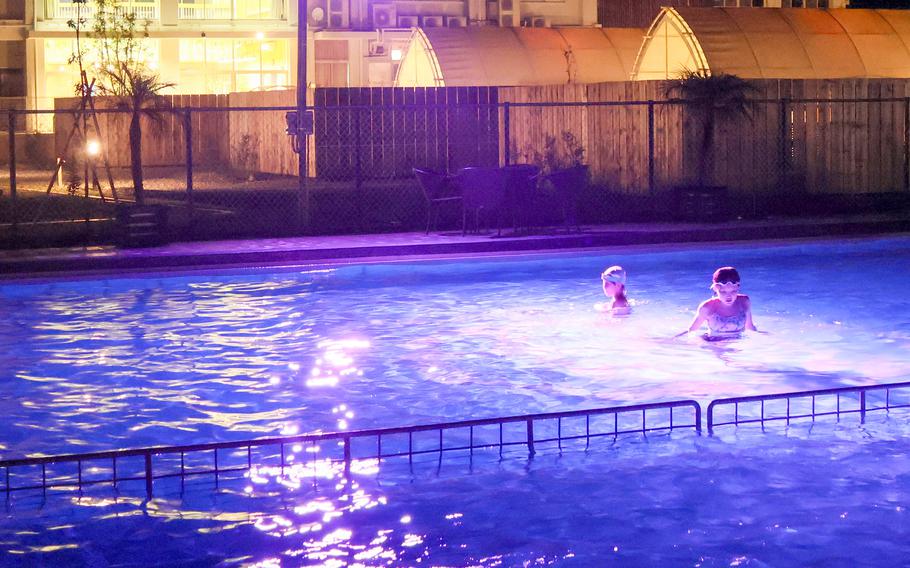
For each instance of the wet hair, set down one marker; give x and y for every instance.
(725, 274)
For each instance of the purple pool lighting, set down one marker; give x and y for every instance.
(160, 359)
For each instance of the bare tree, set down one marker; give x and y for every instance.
(124, 76)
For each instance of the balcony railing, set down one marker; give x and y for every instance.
(206, 11)
(143, 10)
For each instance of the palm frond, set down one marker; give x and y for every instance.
(728, 96)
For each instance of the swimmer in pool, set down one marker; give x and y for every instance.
(614, 287)
(728, 313)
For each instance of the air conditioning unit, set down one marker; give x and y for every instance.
(317, 18)
(377, 49)
(456, 21)
(540, 22)
(432, 21)
(385, 16)
(338, 14)
(408, 22)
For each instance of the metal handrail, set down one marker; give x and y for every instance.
(398, 107)
(862, 404)
(529, 440)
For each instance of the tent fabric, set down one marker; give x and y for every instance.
(494, 56)
(781, 43)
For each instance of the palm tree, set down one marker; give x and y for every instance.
(138, 92)
(712, 98)
(124, 77)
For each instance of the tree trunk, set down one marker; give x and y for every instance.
(707, 147)
(136, 157)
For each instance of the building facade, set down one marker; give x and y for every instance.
(222, 46)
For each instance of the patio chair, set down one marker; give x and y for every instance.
(569, 183)
(520, 185)
(483, 194)
(436, 191)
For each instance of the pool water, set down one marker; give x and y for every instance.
(169, 359)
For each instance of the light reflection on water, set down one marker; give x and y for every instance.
(114, 363)
(94, 365)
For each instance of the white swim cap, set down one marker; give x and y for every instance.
(615, 274)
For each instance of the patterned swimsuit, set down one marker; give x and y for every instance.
(726, 327)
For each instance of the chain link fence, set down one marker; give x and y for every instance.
(211, 172)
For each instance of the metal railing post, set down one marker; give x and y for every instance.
(530, 437)
(651, 147)
(304, 220)
(148, 474)
(507, 139)
(347, 456)
(784, 143)
(12, 167)
(862, 407)
(188, 140)
(906, 143)
(358, 171)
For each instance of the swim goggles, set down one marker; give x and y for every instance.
(716, 285)
(612, 277)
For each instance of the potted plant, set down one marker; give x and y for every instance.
(564, 176)
(247, 155)
(554, 156)
(711, 99)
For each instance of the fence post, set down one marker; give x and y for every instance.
(906, 143)
(530, 437)
(358, 172)
(303, 187)
(784, 157)
(12, 166)
(347, 456)
(188, 141)
(506, 136)
(651, 147)
(862, 407)
(148, 474)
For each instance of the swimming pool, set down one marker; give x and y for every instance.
(153, 359)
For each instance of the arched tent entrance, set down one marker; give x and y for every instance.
(492, 56)
(756, 43)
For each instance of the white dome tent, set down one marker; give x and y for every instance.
(494, 56)
(777, 43)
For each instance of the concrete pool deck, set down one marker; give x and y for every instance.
(317, 249)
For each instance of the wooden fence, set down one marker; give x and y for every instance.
(164, 143)
(816, 136)
(384, 132)
(259, 136)
(812, 136)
